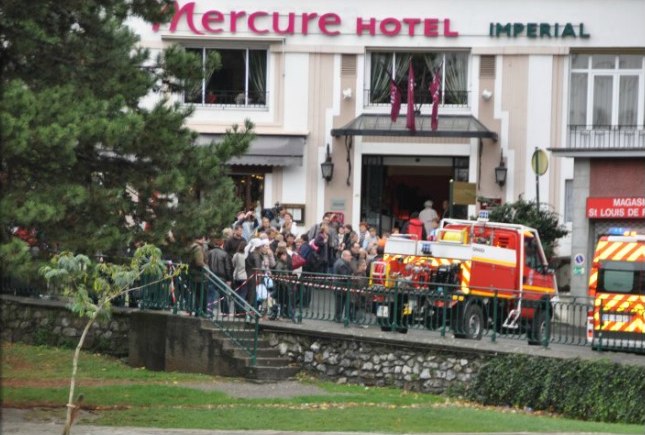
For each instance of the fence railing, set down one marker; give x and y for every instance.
(431, 307)
(606, 137)
(206, 295)
(351, 301)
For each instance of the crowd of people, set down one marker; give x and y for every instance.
(255, 248)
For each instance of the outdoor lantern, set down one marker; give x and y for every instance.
(327, 167)
(500, 172)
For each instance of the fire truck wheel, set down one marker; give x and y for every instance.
(537, 333)
(472, 323)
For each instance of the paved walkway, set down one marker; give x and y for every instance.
(13, 422)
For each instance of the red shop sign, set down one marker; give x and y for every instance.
(616, 208)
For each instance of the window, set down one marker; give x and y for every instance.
(607, 90)
(241, 81)
(384, 65)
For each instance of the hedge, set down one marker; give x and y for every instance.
(588, 390)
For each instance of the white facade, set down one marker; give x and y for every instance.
(318, 76)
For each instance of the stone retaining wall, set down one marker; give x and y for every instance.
(48, 322)
(373, 364)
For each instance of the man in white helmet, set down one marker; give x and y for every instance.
(427, 215)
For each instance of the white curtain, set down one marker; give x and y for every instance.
(602, 101)
(578, 100)
(380, 78)
(628, 100)
(456, 69)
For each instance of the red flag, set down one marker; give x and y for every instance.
(435, 93)
(410, 116)
(395, 100)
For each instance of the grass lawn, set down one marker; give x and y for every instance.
(118, 395)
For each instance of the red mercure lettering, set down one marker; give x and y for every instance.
(431, 27)
(291, 24)
(252, 19)
(189, 10)
(446, 29)
(235, 15)
(306, 17)
(412, 23)
(390, 26)
(329, 19)
(360, 26)
(212, 17)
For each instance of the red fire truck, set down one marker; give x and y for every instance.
(617, 288)
(468, 268)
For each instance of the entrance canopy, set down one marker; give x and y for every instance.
(265, 150)
(449, 126)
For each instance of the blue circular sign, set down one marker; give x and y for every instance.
(579, 260)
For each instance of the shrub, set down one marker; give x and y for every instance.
(588, 390)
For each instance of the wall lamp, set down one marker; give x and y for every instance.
(501, 171)
(327, 167)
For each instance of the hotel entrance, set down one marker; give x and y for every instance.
(393, 187)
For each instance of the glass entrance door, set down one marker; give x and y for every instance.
(372, 184)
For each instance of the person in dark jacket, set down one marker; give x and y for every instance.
(196, 264)
(343, 272)
(283, 294)
(221, 265)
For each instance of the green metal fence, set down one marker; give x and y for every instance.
(438, 308)
(207, 296)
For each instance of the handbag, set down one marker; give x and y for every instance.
(297, 260)
(261, 292)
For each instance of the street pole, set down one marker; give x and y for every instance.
(537, 179)
(450, 199)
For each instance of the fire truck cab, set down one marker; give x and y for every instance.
(617, 288)
(471, 264)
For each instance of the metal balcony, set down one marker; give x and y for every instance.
(604, 140)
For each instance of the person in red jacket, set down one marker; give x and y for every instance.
(415, 226)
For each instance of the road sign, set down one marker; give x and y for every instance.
(540, 161)
(579, 260)
(464, 193)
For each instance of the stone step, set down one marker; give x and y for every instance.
(264, 373)
(238, 352)
(262, 361)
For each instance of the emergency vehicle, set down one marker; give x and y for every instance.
(468, 268)
(617, 288)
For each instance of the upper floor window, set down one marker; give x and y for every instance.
(241, 81)
(383, 65)
(607, 90)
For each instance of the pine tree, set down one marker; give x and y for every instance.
(81, 163)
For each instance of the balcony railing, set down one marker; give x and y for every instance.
(456, 99)
(239, 98)
(606, 137)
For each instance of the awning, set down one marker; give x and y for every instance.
(382, 125)
(267, 150)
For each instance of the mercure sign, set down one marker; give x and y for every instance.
(279, 23)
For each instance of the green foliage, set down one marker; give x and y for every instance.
(588, 390)
(80, 161)
(546, 221)
(92, 286)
